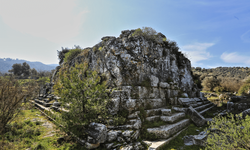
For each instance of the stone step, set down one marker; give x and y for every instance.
(41, 106)
(179, 109)
(152, 112)
(202, 107)
(153, 118)
(173, 117)
(166, 131)
(43, 103)
(203, 111)
(156, 145)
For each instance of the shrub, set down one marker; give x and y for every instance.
(219, 89)
(228, 133)
(147, 32)
(71, 54)
(209, 83)
(11, 96)
(230, 84)
(245, 87)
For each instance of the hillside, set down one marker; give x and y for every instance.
(6, 64)
(231, 72)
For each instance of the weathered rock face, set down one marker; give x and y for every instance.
(134, 60)
(152, 70)
(146, 73)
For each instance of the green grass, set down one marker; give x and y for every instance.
(25, 132)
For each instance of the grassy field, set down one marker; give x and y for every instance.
(33, 130)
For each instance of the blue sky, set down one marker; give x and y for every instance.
(212, 33)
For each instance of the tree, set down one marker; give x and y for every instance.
(229, 133)
(33, 72)
(209, 83)
(86, 93)
(16, 69)
(26, 69)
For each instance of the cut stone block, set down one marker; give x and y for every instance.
(152, 112)
(168, 130)
(166, 112)
(164, 85)
(196, 117)
(179, 109)
(173, 117)
(155, 145)
(153, 118)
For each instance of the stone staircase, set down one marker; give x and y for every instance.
(175, 118)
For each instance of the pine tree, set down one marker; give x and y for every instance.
(85, 94)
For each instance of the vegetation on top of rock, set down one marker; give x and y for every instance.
(71, 54)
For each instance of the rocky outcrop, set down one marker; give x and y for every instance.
(149, 74)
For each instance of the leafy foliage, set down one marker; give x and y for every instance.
(86, 93)
(16, 69)
(72, 54)
(229, 133)
(26, 69)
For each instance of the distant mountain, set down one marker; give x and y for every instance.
(6, 64)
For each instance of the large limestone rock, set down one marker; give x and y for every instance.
(135, 60)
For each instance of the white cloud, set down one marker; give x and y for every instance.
(246, 36)
(235, 58)
(54, 20)
(197, 51)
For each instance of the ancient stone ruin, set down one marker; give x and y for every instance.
(147, 73)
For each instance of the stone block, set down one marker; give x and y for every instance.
(173, 117)
(154, 81)
(170, 129)
(154, 93)
(98, 132)
(162, 93)
(164, 85)
(166, 112)
(196, 117)
(114, 108)
(179, 109)
(127, 133)
(153, 118)
(112, 135)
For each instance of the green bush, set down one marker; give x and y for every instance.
(245, 87)
(71, 54)
(219, 89)
(228, 133)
